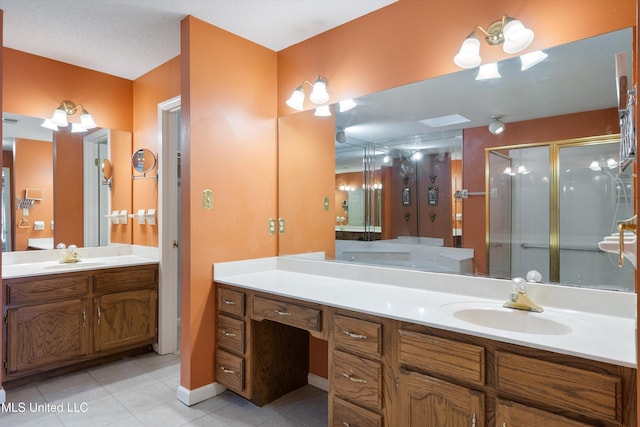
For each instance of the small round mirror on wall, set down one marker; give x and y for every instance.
(106, 171)
(143, 161)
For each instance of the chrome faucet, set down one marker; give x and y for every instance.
(71, 255)
(518, 298)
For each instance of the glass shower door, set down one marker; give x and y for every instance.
(593, 196)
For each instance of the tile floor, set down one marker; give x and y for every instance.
(141, 391)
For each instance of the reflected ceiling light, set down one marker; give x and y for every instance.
(417, 155)
(532, 58)
(322, 111)
(319, 94)
(347, 105)
(488, 71)
(496, 126)
(595, 166)
(386, 159)
(509, 32)
(68, 108)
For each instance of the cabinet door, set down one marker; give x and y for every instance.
(511, 414)
(125, 319)
(47, 335)
(430, 402)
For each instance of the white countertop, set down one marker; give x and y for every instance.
(600, 325)
(44, 262)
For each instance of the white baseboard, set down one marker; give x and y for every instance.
(191, 397)
(318, 382)
(3, 396)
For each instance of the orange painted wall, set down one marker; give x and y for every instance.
(158, 85)
(35, 86)
(68, 209)
(34, 161)
(412, 40)
(229, 146)
(120, 157)
(602, 122)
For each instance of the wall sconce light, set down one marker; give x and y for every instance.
(319, 94)
(496, 126)
(68, 108)
(509, 32)
(322, 111)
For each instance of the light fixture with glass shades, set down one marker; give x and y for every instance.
(496, 126)
(319, 94)
(509, 32)
(68, 108)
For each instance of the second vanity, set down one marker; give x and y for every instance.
(411, 348)
(58, 316)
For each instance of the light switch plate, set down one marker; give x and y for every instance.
(207, 199)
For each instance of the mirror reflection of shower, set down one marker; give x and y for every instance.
(550, 205)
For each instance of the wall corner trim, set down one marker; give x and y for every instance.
(191, 397)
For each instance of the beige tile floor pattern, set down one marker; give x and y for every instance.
(141, 391)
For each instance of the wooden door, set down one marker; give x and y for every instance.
(430, 402)
(125, 319)
(47, 335)
(511, 414)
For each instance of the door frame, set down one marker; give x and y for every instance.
(167, 233)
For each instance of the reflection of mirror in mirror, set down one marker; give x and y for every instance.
(143, 161)
(106, 171)
(415, 113)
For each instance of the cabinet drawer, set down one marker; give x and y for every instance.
(465, 362)
(288, 313)
(562, 387)
(357, 335)
(126, 279)
(231, 334)
(231, 302)
(230, 370)
(357, 380)
(514, 414)
(47, 289)
(346, 414)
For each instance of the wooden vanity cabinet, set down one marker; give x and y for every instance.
(262, 344)
(125, 308)
(459, 380)
(357, 368)
(59, 320)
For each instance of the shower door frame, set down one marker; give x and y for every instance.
(554, 191)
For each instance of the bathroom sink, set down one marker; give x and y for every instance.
(506, 319)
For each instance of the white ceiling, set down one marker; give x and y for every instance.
(128, 38)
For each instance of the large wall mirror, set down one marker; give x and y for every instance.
(410, 183)
(76, 200)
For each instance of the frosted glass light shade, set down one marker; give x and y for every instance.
(60, 118)
(319, 94)
(87, 121)
(530, 59)
(48, 124)
(469, 54)
(516, 37)
(488, 71)
(296, 100)
(77, 128)
(322, 111)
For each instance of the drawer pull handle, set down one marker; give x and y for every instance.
(99, 315)
(227, 371)
(229, 302)
(84, 318)
(228, 334)
(473, 420)
(354, 335)
(354, 379)
(281, 313)
(346, 424)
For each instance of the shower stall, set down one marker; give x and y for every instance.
(548, 206)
